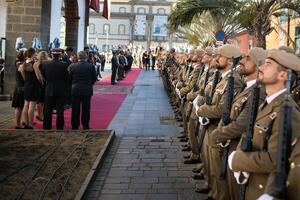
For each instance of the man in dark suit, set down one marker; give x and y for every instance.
(56, 75)
(83, 76)
(114, 66)
(122, 61)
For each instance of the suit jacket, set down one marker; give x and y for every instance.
(261, 162)
(56, 75)
(114, 62)
(83, 76)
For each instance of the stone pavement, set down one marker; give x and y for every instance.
(145, 161)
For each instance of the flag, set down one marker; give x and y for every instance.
(106, 9)
(95, 5)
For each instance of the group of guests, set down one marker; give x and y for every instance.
(148, 59)
(240, 117)
(121, 63)
(51, 82)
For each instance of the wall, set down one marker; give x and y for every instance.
(3, 13)
(25, 18)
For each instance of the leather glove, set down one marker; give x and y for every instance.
(265, 197)
(203, 121)
(230, 158)
(241, 177)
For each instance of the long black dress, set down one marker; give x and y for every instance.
(18, 96)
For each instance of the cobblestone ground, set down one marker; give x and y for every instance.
(145, 161)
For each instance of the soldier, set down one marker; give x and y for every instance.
(209, 115)
(194, 156)
(193, 78)
(253, 167)
(240, 110)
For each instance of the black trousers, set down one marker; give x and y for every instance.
(113, 74)
(120, 72)
(51, 103)
(85, 103)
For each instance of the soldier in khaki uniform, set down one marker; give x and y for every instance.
(293, 181)
(212, 114)
(256, 165)
(194, 156)
(185, 90)
(240, 111)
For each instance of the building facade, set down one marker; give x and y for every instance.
(133, 23)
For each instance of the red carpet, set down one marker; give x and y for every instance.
(103, 106)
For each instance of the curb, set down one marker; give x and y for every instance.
(100, 158)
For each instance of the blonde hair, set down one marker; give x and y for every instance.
(42, 57)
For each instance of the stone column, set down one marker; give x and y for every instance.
(25, 18)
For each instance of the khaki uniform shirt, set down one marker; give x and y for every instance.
(191, 82)
(215, 110)
(261, 162)
(239, 116)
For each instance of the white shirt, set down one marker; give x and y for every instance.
(273, 96)
(225, 73)
(250, 83)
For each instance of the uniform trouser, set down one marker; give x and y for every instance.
(113, 74)
(204, 155)
(85, 103)
(52, 102)
(233, 187)
(193, 140)
(184, 116)
(120, 72)
(219, 186)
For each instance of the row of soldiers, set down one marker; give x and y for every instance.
(239, 119)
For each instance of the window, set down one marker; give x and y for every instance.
(122, 10)
(121, 29)
(106, 28)
(92, 28)
(141, 10)
(161, 11)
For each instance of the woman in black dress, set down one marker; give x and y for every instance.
(18, 96)
(32, 83)
(41, 58)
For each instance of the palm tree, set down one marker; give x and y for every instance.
(256, 16)
(253, 15)
(202, 29)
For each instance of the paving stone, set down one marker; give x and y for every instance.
(140, 185)
(126, 174)
(162, 186)
(118, 180)
(155, 173)
(138, 166)
(111, 186)
(145, 180)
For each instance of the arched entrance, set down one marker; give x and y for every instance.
(68, 22)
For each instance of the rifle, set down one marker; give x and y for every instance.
(226, 117)
(284, 145)
(246, 141)
(208, 102)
